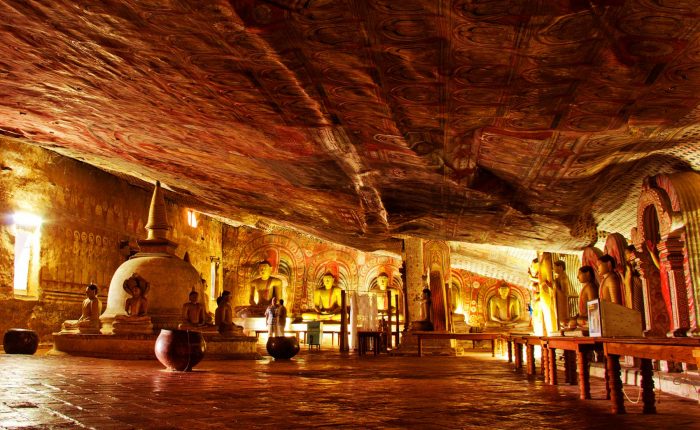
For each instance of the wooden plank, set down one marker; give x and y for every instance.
(677, 353)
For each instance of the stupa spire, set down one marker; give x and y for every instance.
(157, 225)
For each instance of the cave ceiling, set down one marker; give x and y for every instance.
(527, 123)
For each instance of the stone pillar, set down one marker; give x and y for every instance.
(414, 274)
(671, 260)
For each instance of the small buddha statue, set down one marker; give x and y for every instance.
(89, 321)
(589, 292)
(136, 319)
(424, 322)
(262, 290)
(610, 284)
(327, 301)
(223, 318)
(194, 316)
(380, 289)
(504, 309)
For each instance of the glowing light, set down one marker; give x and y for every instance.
(25, 219)
(191, 218)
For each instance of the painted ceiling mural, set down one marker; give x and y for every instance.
(512, 122)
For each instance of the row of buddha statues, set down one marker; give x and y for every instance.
(326, 299)
(504, 310)
(194, 315)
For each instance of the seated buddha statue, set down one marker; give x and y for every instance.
(136, 319)
(504, 310)
(610, 284)
(589, 292)
(223, 318)
(380, 289)
(327, 301)
(194, 316)
(262, 290)
(89, 321)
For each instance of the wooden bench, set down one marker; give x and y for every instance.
(683, 350)
(457, 336)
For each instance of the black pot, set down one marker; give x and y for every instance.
(282, 348)
(180, 349)
(20, 341)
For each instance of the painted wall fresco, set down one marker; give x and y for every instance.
(91, 223)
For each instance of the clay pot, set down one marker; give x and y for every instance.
(20, 341)
(180, 349)
(282, 348)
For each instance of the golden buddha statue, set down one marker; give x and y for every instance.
(504, 309)
(610, 284)
(327, 301)
(380, 289)
(561, 291)
(589, 292)
(89, 321)
(262, 290)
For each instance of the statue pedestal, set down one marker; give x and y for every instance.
(443, 347)
(134, 346)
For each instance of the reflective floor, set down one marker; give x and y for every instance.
(314, 390)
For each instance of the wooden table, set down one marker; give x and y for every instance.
(580, 347)
(367, 338)
(684, 350)
(457, 336)
(528, 342)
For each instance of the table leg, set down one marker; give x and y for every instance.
(545, 364)
(584, 381)
(648, 396)
(567, 368)
(552, 361)
(607, 378)
(615, 384)
(530, 349)
(518, 356)
(510, 351)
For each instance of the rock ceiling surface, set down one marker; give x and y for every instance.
(524, 122)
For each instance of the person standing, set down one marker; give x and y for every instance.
(271, 317)
(281, 318)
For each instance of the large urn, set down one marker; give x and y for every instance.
(180, 350)
(20, 341)
(282, 348)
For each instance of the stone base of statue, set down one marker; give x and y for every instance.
(436, 347)
(75, 326)
(252, 311)
(180, 350)
(422, 326)
(142, 346)
(124, 324)
(20, 341)
(206, 328)
(230, 330)
(282, 348)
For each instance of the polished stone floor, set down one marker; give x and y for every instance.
(314, 390)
